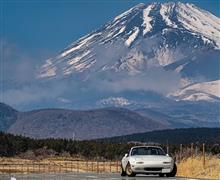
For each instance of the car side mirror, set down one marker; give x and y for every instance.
(126, 155)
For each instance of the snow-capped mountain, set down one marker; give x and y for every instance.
(157, 56)
(173, 37)
(146, 35)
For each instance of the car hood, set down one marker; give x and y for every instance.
(147, 158)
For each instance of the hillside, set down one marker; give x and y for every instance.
(8, 116)
(174, 136)
(63, 123)
(100, 123)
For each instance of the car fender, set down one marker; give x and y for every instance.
(124, 162)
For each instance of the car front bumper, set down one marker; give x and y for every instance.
(151, 169)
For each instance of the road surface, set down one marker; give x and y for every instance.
(80, 176)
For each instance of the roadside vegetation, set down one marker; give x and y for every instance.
(22, 154)
(194, 167)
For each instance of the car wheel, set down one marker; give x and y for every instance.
(123, 173)
(161, 175)
(173, 172)
(129, 171)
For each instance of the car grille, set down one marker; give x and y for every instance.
(153, 169)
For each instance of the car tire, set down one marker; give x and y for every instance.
(173, 172)
(129, 171)
(123, 173)
(161, 175)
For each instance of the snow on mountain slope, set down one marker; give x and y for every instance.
(132, 37)
(200, 21)
(115, 101)
(205, 91)
(147, 19)
(165, 11)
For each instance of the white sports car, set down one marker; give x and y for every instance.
(148, 160)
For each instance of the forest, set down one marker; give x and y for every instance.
(15, 145)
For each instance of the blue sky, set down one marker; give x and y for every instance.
(43, 27)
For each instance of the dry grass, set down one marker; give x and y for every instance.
(193, 167)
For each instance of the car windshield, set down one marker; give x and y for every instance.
(147, 151)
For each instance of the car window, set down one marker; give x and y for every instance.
(147, 151)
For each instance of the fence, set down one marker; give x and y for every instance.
(61, 167)
(193, 151)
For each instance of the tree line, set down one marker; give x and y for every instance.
(14, 145)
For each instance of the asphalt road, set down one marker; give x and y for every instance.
(80, 176)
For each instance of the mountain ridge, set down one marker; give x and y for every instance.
(87, 124)
(171, 136)
(94, 124)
